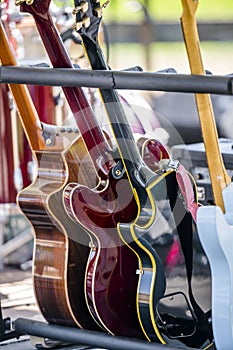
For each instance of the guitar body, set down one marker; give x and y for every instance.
(111, 279)
(216, 231)
(61, 245)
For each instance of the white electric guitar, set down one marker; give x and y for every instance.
(215, 230)
(214, 223)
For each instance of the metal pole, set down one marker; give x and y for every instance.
(117, 80)
(85, 337)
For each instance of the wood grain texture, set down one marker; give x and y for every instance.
(218, 174)
(61, 245)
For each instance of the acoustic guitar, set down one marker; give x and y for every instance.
(59, 261)
(159, 319)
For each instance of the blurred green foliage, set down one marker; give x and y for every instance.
(134, 10)
(128, 10)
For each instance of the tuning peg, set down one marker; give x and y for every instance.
(85, 22)
(82, 7)
(19, 2)
(99, 10)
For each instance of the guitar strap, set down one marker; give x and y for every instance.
(184, 209)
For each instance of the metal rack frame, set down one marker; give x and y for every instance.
(135, 80)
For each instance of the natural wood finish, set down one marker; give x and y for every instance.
(61, 246)
(219, 177)
(27, 111)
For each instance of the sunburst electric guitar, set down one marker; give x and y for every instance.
(60, 258)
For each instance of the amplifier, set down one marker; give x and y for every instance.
(193, 157)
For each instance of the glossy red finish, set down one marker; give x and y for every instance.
(7, 187)
(43, 100)
(86, 122)
(111, 280)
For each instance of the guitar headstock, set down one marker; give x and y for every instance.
(189, 7)
(88, 15)
(34, 7)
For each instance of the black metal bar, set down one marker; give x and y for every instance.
(214, 84)
(84, 337)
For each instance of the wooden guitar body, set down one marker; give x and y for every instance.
(61, 245)
(112, 270)
(111, 279)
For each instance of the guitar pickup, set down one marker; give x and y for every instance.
(82, 7)
(85, 22)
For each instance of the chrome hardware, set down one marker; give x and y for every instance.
(85, 22)
(139, 272)
(99, 10)
(92, 246)
(82, 7)
(168, 164)
(48, 142)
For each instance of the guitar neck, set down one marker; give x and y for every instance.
(93, 136)
(219, 177)
(27, 112)
(116, 114)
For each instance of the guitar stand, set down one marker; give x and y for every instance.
(134, 80)
(68, 335)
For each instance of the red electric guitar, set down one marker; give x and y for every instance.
(114, 264)
(162, 313)
(59, 258)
